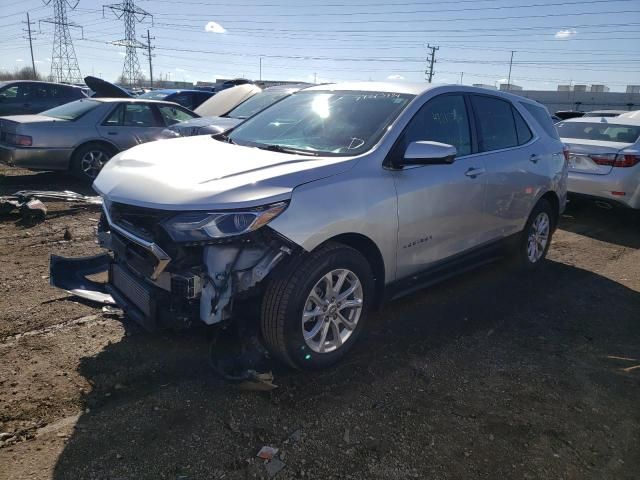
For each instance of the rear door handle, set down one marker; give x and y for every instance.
(534, 158)
(474, 172)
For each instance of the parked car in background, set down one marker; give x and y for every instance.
(321, 205)
(227, 100)
(604, 113)
(82, 136)
(566, 114)
(190, 99)
(248, 108)
(26, 96)
(635, 114)
(604, 159)
(232, 83)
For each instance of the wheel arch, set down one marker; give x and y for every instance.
(554, 200)
(371, 253)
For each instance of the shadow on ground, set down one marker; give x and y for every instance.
(617, 225)
(487, 375)
(12, 181)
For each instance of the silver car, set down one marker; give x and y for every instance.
(82, 136)
(248, 108)
(321, 206)
(604, 159)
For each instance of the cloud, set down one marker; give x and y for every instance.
(123, 54)
(214, 27)
(566, 33)
(503, 80)
(395, 77)
(48, 59)
(180, 69)
(19, 60)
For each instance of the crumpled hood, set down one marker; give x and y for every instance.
(217, 124)
(200, 173)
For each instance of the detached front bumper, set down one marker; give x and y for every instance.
(35, 158)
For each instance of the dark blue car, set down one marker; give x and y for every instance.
(24, 97)
(190, 99)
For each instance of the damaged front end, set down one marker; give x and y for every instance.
(167, 269)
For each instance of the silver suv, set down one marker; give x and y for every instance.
(321, 206)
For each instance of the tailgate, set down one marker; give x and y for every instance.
(592, 156)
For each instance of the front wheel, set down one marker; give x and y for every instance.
(314, 311)
(536, 236)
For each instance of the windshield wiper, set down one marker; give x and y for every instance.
(281, 149)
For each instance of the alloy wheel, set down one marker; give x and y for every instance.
(332, 310)
(538, 237)
(92, 162)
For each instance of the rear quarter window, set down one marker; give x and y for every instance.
(543, 118)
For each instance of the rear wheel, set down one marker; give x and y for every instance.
(89, 159)
(536, 236)
(314, 311)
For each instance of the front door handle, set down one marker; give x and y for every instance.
(474, 172)
(112, 133)
(534, 158)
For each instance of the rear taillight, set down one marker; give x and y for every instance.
(607, 159)
(19, 140)
(625, 160)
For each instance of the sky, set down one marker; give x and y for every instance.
(553, 41)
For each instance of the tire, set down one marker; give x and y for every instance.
(289, 294)
(89, 159)
(535, 239)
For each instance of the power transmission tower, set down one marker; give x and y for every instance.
(150, 55)
(431, 59)
(131, 14)
(64, 64)
(28, 30)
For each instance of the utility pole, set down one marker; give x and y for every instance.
(149, 48)
(64, 64)
(510, 65)
(260, 68)
(461, 76)
(315, 77)
(131, 14)
(431, 59)
(33, 63)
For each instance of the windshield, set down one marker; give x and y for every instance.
(328, 123)
(71, 111)
(606, 132)
(155, 95)
(256, 103)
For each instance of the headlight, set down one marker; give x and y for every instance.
(203, 226)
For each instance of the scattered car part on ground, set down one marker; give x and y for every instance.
(604, 159)
(29, 202)
(227, 100)
(325, 203)
(190, 99)
(23, 97)
(248, 108)
(82, 136)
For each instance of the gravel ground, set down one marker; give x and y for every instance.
(488, 375)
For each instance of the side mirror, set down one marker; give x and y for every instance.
(429, 153)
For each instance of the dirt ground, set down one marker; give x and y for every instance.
(489, 375)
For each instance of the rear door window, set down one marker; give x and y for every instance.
(173, 114)
(495, 123)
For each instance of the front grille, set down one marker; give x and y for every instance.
(143, 222)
